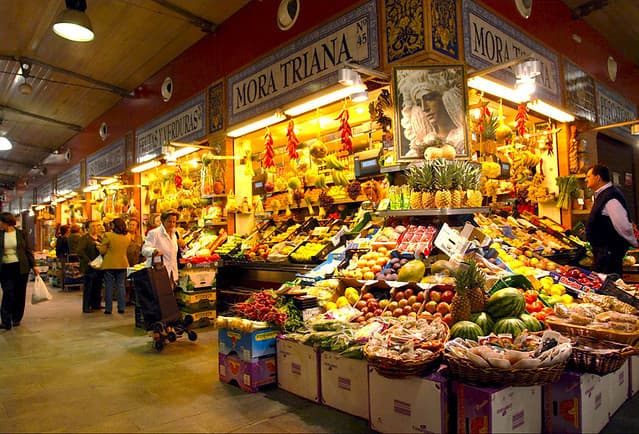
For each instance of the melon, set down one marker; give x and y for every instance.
(512, 326)
(466, 330)
(506, 302)
(483, 320)
(412, 271)
(532, 323)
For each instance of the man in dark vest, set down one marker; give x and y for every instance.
(608, 228)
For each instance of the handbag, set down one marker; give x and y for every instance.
(97, 262)
(40, 291)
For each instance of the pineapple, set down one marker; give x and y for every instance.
(427, 182)
(456, 195)
(413, 175)
(460, 305)
(474, 197)
(443, 180)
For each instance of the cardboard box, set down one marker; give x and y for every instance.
(247, 345)
(498, 409)
(634, 375)
(576, 404)
(203, 318)
(617, 388)
(195, 297)
(298, 369)
(248, 375)
(196, 279)
(412, 404)
(343, 384)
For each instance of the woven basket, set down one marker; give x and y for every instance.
(395, 368)
(587, 356)
(466, 372)
(574, 330)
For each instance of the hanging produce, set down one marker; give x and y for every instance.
(568, 186)
(503, 131)
(347, 132)
(269, 153)
(291, 146)
(573, 150)
(548, 144)
(178, 177)
(521, 119)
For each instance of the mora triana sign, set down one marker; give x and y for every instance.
(306, 66)
(489, 41)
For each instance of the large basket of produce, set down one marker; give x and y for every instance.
(598, 357)
(593, 331)
(501, 361)
(408, 347)
(618, 288)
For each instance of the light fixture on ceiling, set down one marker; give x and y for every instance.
(257, 125)
(5, 144)
(147, 165)
(348, 77)
(360, 96)
(499, 90)
(634, 129)
(25, 88)
(92, 186)
(329, 96)
(73, 23)
(551, 111)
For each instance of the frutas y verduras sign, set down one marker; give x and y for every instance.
(306, 66)
(108, 161)
(613, 108)
(69, 180)
(489, 41)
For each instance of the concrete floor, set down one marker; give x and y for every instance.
(64, 371)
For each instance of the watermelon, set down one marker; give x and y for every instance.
(506, 302)
(466, 330)
(483, 320)
(513, 326)
(532, 323)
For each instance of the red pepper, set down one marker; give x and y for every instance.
(530, 296)
(347, 132)
(291, 146)
(269, 157)
(521, 118)
(535, 306)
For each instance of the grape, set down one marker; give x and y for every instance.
(354, 189)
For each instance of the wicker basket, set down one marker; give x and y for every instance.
(609, 288)
(395, 368)
(587, 355)
(466, 372)
(574, 330)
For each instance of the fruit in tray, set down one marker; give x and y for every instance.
(307, 252)
(417, 240)
(369, 306)
(367, 266)
(284, 235)
(389, 235)
(232, 242)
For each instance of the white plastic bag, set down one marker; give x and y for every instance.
(40, 291)
(97, 262)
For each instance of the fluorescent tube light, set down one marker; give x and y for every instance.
(145, 166)
(256, 125)
(327, 98)
(551, 111)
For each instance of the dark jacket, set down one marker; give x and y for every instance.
(74, 242)
(23, 250)
(599, 229)
(87, 251)
(62, 248)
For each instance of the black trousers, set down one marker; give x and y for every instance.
(607, 260)
(92, 293)
(14, 292)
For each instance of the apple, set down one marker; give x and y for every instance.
(420, 296)
(364, 310)
(369, 275)
(431, 306)
(443, 308)
(378, 312)
(368, 296)
(435, 296)
(402, 303)
(448, 319)
(412, 299)
(399, 295)
(360, 304)
(369, 315)
(392, 306)
(416, 306)
(383, 303)
(447, 296)
(425, 315)
(398, 312)
(408, 293)
(407, 310)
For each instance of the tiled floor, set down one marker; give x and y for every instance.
(64, 371)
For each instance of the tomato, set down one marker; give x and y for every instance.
(535, 306)
(541, 316)
(530, 296)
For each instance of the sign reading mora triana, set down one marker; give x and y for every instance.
(306, 66)
(186, 123)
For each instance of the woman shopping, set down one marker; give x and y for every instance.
(17, 260)
(164, 241)
(113, 248)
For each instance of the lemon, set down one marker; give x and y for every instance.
(342, 301)
(557, 289)
(330, 305)
(566, 299)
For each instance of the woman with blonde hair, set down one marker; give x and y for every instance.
(114, 248)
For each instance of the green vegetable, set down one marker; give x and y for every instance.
(568, 187)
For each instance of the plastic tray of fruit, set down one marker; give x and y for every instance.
(577, 279)
(310, 253)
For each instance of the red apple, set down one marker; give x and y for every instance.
(420, 296)
(416, 306)
(448, 319)
(447, 296)
(398, 312)
(399, 295)
(408, 293)
(443, 308)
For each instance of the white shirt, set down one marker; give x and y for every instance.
(619, 217)
(10, 255)
(160, 239)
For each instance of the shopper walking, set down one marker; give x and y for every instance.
(93, 278)
(17, 260)
(114, 247)
(164, 241)
(74, 238)
(62, 244)
(608, 228)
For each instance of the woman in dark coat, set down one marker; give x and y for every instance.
(16, 261)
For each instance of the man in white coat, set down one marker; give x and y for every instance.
(164, 241)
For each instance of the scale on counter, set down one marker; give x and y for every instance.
(258, 184)
(366, 163)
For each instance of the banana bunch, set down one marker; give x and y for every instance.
(320, 182)
(332, 162)
(338, 192)
(339, 177)
(526, 159)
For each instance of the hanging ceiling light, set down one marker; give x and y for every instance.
(5, 144)
(73, 24)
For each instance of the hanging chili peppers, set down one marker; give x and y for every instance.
(521, 119)
(291, 146)
(548, 144)
(269, 153)
(484, 116)
(178, 177)
(347, 132)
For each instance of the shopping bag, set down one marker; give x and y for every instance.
(40, 291)
(97, 262)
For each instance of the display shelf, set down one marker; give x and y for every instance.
(213, 196)
(393, 168)
(216, 223)
(432, 212)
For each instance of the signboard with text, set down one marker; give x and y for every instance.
(613, 108)
(69, 180)
(108, 161)
(44, 192)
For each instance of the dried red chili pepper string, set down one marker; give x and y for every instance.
(269, 157)
(521, 119)
(347, 132)
(291, 146)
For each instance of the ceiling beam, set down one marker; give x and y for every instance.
(587, 8)
(107, 86)
(73, 127)
(205, 25)
(17, 163)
